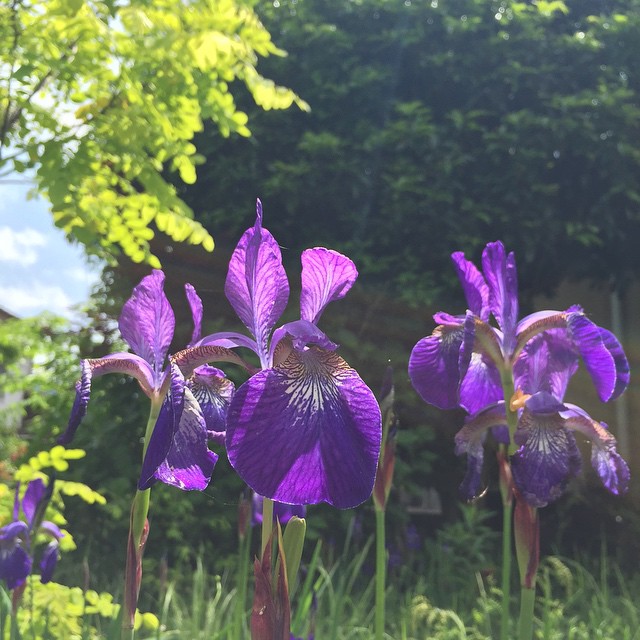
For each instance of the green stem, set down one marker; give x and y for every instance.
(506, 489)
(267, 524)
(135, 542)
(507, 519)
(381, 570)
(243, 577)
(525, 623)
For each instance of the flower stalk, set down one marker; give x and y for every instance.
(381, 490)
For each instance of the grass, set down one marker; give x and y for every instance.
(443, 592)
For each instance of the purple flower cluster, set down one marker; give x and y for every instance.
(467, 361)
(303, 429)
(18, 537)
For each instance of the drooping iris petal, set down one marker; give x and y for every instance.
(12, 531)
(283, 512)
(15, 562)
(481, 385)
(606, 461)
(620, 361)
(500, 273)
(598, 359)
(189, 463)
(147, 321)
(127, 363)
(257, 285)
(48, 562)
(195, 304)
(164, 429)
(475, 288)
(326, 276)
(51, 529)
(470, 441)
(434, 368)
(36, 490)
(306, 431)
(547, 459)
(213, 392)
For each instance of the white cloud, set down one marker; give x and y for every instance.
(29, 300)
(20, 247)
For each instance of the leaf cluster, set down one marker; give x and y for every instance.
(100, 98)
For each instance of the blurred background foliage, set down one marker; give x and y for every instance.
(434, 126)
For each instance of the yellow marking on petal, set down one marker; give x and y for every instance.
(518, 400)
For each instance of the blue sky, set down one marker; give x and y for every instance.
(39, 269)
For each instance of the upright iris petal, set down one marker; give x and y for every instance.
(475, 287)
(326, 276)
(500, 272)
(257, 285)
(147, 321)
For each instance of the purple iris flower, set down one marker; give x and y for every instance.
(464, 362)
(16, 538)
(304, 428)
(283, 512)
(189, 411)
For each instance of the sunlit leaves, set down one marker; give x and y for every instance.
(102, 99)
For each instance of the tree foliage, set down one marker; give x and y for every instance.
(103, 97)
(440, 126)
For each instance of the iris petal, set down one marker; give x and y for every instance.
(470, 441)
(326, 276)
(48, 562)
(318, 425)
(620, 361)
(500, 273)
(481, 385)
(434, 367)
(213, 392)
(128, 363)
(607, 462)
(195, 304)
(547, 459)
(302, 333)
(257, 285)
(15, 564)
(546, 363)
(189, 463)
(213, 348)
(147, 321)
(598, 359)
(32, 497)
(475, 288)
(164, 429)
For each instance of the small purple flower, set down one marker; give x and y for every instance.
(17, 537)
(189, 412)
(464, 361)
(305, 428)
